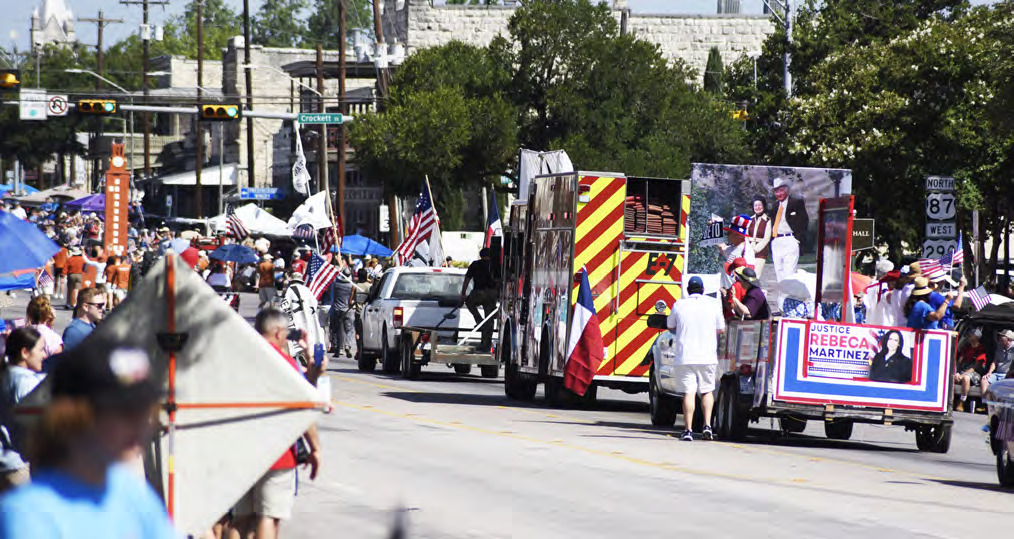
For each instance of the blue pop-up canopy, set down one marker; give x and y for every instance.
(357, 245)
(23, 245)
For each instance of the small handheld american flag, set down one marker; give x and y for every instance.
(979, 297)
(931, 268)
(320, 275)
(233, 224)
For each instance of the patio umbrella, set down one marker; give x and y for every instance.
(89, 203)
(23, 245)
(361, 246)
(234, 252)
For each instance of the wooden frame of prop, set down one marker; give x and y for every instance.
(828, 205)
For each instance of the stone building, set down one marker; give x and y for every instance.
(54, 26)
(419, 24)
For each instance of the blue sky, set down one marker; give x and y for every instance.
(20, 11)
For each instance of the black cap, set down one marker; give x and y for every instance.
(484, 252)
(108, 377)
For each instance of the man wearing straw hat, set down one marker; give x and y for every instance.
(754, 305)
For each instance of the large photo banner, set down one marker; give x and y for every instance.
(770, 219)
(849, 364)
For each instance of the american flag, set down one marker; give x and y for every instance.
(233, 224)
(956, 257)
(423, 237)
(979, 297)
(325, 239)
(320, 275)
(304, 231)
(931, 268)
(45, 279)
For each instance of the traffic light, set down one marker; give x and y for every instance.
(10, 80)
(96, 106)
(220, 113)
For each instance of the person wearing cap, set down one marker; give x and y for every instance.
(484, 294)
(271, 499)
(75, 275)
(789, 223)
(341, 317)
(266, 282)
(298, 264)
(999, 368)
(754, 305)
(918, 312)
(971, 365)
(101, 414)
(696, 321)
(735, 289)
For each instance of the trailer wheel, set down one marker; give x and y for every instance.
(731, 420)
(1004, 466)
(409, 368)
(663, 408)
(838, 429)
(489, 371)
(390, 360)
(933, 438)
(462, 368)
(792, 425)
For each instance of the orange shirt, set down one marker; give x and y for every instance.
(75, 265)
(122, 278)
(110, 273)
(60, 259)
(266, 271)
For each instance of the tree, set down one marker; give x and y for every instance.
(322, 25)
(277, 23)
(563, 77)
(444, 120)
(713, 72)
(894, 91)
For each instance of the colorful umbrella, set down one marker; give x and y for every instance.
(23, 245)
(357, 245)
(89, 203)
(234, 252)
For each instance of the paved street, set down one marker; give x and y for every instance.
(463, 461)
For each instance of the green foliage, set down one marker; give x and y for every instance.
(277, 23)
(322, 25)
(564, 77)
(895, 91)
(713, 72)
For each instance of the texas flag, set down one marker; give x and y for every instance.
(584, 351)
(493, 226)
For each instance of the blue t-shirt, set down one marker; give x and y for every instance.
(917, 316)
(936, 299)
(56, 505)
(75, 333)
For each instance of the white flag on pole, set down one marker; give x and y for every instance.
(300, 176)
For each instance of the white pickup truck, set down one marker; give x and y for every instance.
(418, 298)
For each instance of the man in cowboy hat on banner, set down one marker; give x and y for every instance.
(788, 231)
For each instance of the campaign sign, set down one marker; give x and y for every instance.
(712, 234)
(861, 365)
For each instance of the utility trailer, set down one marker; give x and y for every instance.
(423, 345)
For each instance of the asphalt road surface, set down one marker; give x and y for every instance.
(450, 456)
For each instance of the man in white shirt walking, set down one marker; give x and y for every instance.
(696, 321)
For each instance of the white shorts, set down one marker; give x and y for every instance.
(273, 496)
(691, 379)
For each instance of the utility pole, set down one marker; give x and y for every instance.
(249, 94)
(322, 143)
(146, 41)
(788, 48)
(100, 22)
(199, 139)
(342, 107)
(381, 60)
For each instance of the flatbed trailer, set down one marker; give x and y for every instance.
(426, 345)
(783, 368)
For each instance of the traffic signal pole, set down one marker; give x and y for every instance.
(198, 130)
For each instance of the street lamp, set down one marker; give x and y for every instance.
(280, 72)
(124, 90)
(754, 55)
